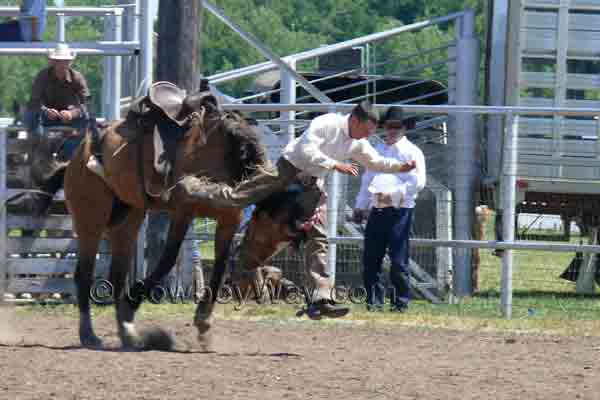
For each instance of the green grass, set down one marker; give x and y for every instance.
(466, 316)
(542, 303)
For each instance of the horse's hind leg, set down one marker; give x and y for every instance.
(122, 245)
(223, 238)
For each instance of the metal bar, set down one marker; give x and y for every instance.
(267, 66)
(332, 222)
(106, 72)
(61, 32)
(484, 244)
(146, 33)
(420, 109)
(68, 11)
(425, 96)
(288, 95)
(377, 78)
(81, 48)
(116, 62)
(549, 6)
(497, 83)
(146, 46)
(351, 71)
(254, 96)
(509, 194)
(250, 38)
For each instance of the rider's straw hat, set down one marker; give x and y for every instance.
(61, 52)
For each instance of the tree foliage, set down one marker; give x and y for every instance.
(285, 26)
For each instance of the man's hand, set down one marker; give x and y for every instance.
(348, 169)
(358, 216)
(52, 114)
(66, 115)
(409, 166)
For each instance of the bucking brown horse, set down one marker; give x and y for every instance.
(219, 147)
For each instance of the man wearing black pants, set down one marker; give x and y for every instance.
(391, 200)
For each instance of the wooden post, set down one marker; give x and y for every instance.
(585, 283)
(3, 197)
(178, 61)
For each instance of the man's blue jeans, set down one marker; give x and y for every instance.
(388, 229)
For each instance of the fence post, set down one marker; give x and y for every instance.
(497, 85)
(116, 61)
(61, 35)
(332, 222)
(3, 196)
(288, 96)
(333, 188)
(146, 75)
(111, 86)
(466, 139)
(509, 194)
(106, 72)
(146, 46)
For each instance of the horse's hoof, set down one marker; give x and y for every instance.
(91, 342)
(203, 325)
(205, 340)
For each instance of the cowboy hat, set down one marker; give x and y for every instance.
(61, 52)
(395, 118)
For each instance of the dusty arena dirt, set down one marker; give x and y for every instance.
(40, 358)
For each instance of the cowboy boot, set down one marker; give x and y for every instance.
(47, 178)
(35, 203)
(326, 308)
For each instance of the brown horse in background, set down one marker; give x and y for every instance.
(222, 148)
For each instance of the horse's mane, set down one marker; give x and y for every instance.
(247, 150)
(246, 153)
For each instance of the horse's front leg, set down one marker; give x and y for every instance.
(151, 339)
(223, 238)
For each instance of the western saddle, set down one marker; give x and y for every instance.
(170, 112)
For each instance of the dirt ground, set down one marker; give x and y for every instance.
(40, 358)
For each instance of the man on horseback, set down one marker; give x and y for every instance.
(323, 147)
(58, 98)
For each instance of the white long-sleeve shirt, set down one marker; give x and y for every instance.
(326, 142)
(405, 189)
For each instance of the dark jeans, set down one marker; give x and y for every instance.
(387, 229)
(10, 31)
(36, 123)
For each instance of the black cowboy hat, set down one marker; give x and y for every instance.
(394, 118)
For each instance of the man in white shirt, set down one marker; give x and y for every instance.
(391, 200)
(329, 140)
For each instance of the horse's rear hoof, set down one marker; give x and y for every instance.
(91, 342)
(203, 325)
(205, 340)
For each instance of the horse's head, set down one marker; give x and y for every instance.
(244, 151)
(275, 223)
